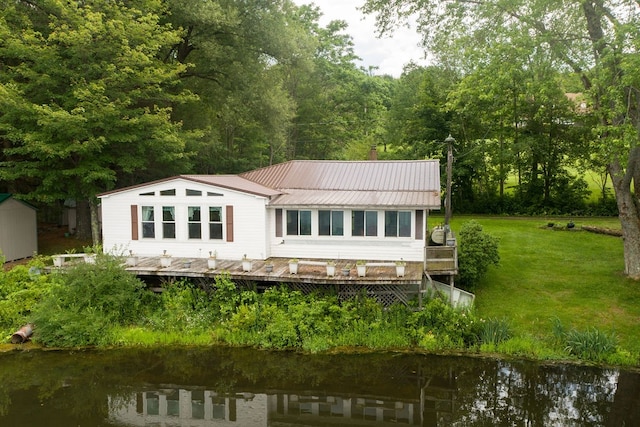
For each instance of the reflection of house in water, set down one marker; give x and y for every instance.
(192, 408)
(200, 408)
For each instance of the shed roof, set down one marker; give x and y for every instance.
(356, 183)
(6, 196)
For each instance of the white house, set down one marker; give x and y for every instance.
(18, 228)
(373, 210)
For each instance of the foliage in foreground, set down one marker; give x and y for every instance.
(84, 301)
(104, 305)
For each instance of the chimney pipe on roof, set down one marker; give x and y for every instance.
(373, 153)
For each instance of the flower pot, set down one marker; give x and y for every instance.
(331, 270)
(132, 261)
(246, 265)
(90, 258)
(57, 261)
(212, 263)
(293, 267)
(269, 268)
(399, 270)
(186, 264)
(165, 261)
(362, 270)
(346, 271)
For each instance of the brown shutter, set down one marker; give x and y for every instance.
(419, 224)
(134, 222)
(229, 223)
(278, 222)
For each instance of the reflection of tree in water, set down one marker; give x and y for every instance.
(530, 394)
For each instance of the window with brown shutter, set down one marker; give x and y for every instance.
(278, 222)
(134, 222)
(419, 224)
(229, 223)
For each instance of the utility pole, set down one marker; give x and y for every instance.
(447, 202)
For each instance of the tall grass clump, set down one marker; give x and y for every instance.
(494, 331)
(591, 344)
(85, 300)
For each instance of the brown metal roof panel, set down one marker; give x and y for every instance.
(419, 175)
(318, 198)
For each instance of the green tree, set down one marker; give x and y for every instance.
(84, 99)
(596, 39)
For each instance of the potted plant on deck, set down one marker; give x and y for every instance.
(400, 266)
(212, 261)
(268, 267)
(346, 269)
(58, 261)
(362, 268)
(293, 266)
(246, 263)
(331, 268)
(165, 259)
(89, 254)
(132, 260)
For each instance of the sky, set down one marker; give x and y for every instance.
(389, 54)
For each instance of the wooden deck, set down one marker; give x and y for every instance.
(307, 273)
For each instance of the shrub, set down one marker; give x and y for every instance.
(455, 327)
(21, 289)
(85, 301)
(477, 250)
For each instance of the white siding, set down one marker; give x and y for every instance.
(18, 230)
(249, 218)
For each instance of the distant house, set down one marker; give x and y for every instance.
(18, 228)
(373, 210)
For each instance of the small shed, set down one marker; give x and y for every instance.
(18, 228)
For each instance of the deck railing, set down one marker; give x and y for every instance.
(441, 260)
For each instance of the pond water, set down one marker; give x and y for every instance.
(245, 387)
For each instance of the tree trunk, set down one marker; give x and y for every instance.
(95, 222)
(83, 224)
(628, 213)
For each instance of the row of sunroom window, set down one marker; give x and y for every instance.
(363, 223)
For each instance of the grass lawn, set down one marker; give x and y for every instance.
(575, 276)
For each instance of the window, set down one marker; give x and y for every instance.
(148, 224)
(299, 223)
(168, 192)
(149, 193)
(364, 223)
(195, 225)
(215, 223)
(397, 224)
(193, 192)
(331, 223)
(168, 222)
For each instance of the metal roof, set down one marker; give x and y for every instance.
(360, 183)
(401, 183)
